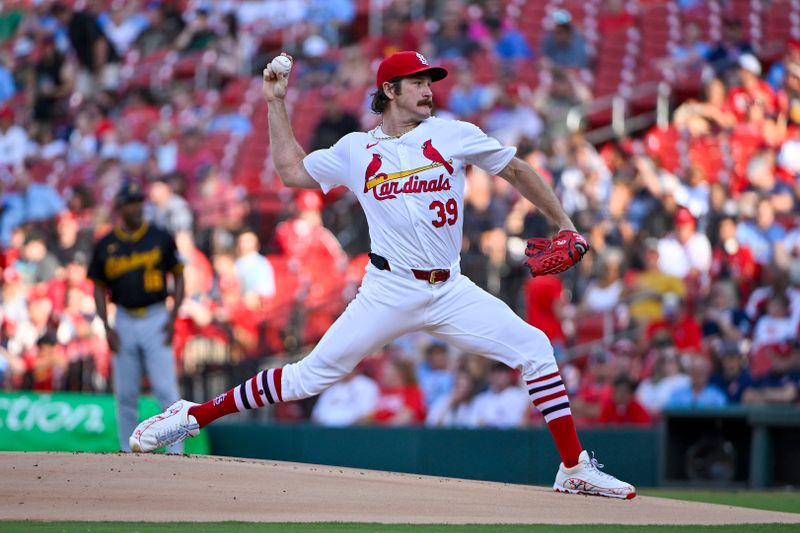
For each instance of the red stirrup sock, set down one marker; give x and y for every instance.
(550, 398)
(261, 389)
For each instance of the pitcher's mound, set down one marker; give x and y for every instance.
(159, 488)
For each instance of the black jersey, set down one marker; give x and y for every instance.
(133, 266)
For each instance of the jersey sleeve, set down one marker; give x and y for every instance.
(479, 149)
(172, 260)
(329, 166)
(96, 270)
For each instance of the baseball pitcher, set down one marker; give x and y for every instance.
(408, 174)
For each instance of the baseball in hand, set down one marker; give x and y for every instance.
(281, 65)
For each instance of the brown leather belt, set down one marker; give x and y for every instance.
(437, 275)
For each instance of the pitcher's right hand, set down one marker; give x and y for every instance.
(274, 86)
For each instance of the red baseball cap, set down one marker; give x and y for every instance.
(684, 216)
(406, 63)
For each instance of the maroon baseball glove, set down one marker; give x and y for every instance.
(551, 256)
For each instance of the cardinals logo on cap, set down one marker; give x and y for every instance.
(422, 59)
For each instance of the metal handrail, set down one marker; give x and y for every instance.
(622, 124)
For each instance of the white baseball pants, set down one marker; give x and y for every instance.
(392, 303)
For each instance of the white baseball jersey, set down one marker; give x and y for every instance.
(411, 188)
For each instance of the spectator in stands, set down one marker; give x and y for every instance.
(169, 210)
(198, 34)
(8, 87)
(648, 287)
(595, 384)
(46, 367)
(94, 51)
(711, 114)
(196, 264)
(483, 213)
(685, 253)
(317, 69)
(400, 401)
(692, 51)
(508, 42)
(333, 18)
(162, 27)
(777, 325)
(677, 326)
(254, 271)
(512, 120)
(14, 140)
(354, 71)
(451, 40)
(724, 54)
(723, 317)
(665, 377)
(335, 121)
(348, 402)
(468, 97)
(603, 293)
(751, 90)
(122, 25)
(457, 407)
(622, 407)
(434, 373)
(781, 385)
(564, 45)
(36, 264)
(397, 35)
(193, 158)
(699, 393)
(505, 404)
(779, 71)
(732, 260)
(761, 235)
(731, 375)
(70, 241)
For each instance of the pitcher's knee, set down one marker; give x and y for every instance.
(309, 377)
(537, 355)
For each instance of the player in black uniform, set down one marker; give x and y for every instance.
(131, 264)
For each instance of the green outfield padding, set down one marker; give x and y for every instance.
(513, 456)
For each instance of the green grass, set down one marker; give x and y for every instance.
(785, 501)
(222, 527)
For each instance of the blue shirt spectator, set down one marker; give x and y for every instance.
(760, 240)
(254, 271)
(509, 43)
(7, 86)
(699, 393)
(565, 46)
(434, 375)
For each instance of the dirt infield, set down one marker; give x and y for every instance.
(156, 488)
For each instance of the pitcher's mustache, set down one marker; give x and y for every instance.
(426, 102)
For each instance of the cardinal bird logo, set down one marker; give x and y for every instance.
(433, 154)
(372, 169)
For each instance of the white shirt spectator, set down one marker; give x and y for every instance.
(678, 259)
(346, 402)
(505, 409)
(654, 395)
(603, 299)
(773, 330)
(442, 415)
(14, 146)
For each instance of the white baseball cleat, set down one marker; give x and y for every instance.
(587, 478)
(169, 427)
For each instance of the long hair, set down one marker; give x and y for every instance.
(379, 99)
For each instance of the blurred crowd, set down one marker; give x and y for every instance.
(689, 299)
